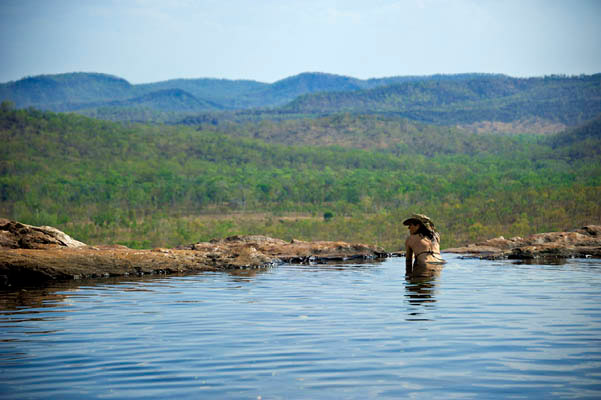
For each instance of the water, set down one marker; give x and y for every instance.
(481, 330)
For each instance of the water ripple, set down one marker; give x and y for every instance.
(480, 330)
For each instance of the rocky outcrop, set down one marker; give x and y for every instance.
(15, 235)
(31, 254)
(583, 242)
(295, 251)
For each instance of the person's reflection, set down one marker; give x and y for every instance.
(246, 275)
(421, 291)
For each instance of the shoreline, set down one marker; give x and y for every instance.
(31, 255)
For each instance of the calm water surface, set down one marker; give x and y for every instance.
(482, 329)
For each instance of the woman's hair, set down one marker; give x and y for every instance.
(425, 232)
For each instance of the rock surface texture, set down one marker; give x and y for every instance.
(583, 242)
(30, 254)
(15, 235)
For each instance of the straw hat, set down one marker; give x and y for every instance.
(422, 219)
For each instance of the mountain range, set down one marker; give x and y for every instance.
(461, 99)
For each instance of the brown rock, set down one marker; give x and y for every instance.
(583, 242)
(15, 235)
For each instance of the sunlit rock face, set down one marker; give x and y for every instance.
(583, 242)
(15, 235)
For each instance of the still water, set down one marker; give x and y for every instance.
(482, 329)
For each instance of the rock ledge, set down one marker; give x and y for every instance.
(580, 243)
(30, 254)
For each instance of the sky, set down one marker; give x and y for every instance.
(268, 40)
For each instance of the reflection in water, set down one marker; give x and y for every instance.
(420, 292)
(246, 275)
(15, 300)
(58, 293)
(542, 261)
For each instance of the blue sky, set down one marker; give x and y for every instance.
(267, 40)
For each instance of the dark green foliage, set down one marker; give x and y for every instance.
(581, 143)
(387, 134)
(131, 114)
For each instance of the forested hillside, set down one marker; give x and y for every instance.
(229, 94)
(64, 92)
(166, 100)
(77, 91)
(156, 185)
(582, 143)
(518, 105)
(388, 134)
(570, 101)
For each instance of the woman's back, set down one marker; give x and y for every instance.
(422, 246)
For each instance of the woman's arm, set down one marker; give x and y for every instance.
(408, 257)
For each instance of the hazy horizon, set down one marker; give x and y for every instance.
(286, 77)
(147, 41)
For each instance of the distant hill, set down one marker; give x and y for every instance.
(478, 102)
(244, 94)
(166, 100)
(308, 83)
(79, 91)
(64, 92)
(227, 93)
(568, 100)
(288, 89)
(76, 91)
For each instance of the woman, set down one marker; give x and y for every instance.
(423, 244)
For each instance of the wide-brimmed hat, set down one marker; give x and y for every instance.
(422, 219)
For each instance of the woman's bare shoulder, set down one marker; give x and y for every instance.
(412, 239)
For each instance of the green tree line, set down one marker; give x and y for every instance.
(150, 185)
